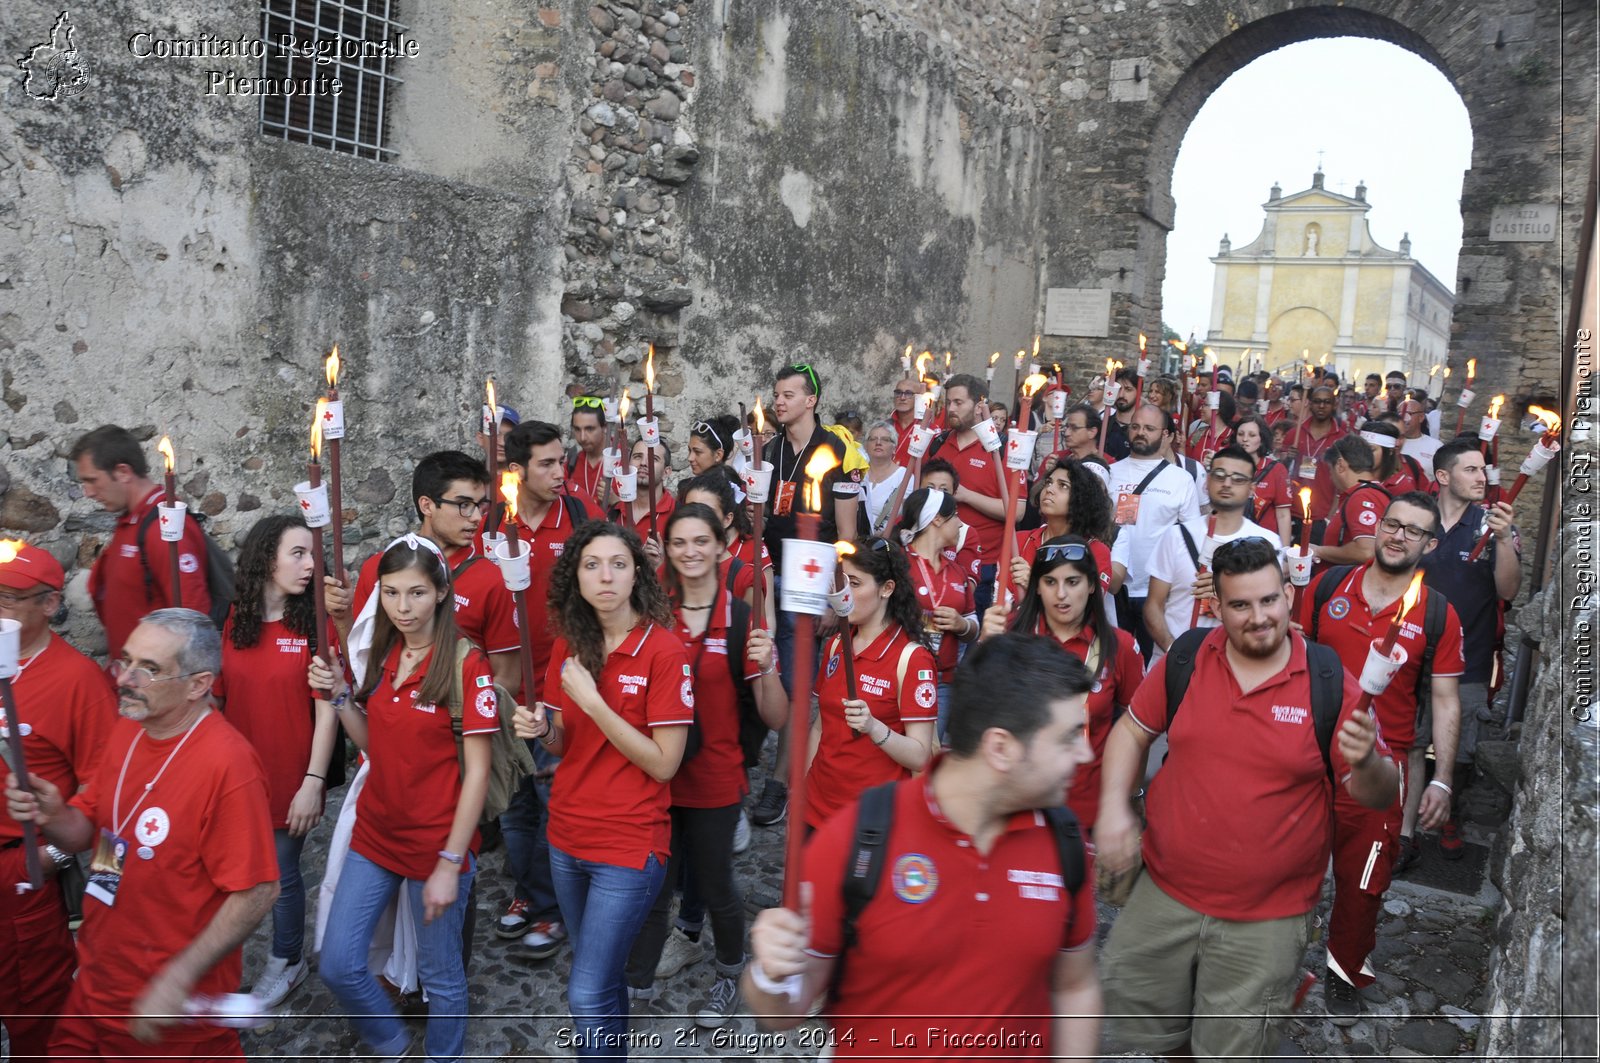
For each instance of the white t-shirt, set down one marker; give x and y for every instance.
(876, 496)
(1422, 448)
(1170, 563)
(1169, 498)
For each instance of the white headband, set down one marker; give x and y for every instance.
(360, 641)
(1378, 439)
(930, 512)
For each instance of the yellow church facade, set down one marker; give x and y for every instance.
(1314, 283)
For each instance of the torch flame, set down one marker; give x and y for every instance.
(947, 362)
(1305, 503)
(1409, 599)
(1036, 346)
(995, 357)
(622, 408)
(1110, 362)
(907, 356)
(845, 548)
(331, 366)
(1472, 368)
(316, 429)
(1447, 372)
(508, 491)
(1211, 357)
(1020, 356)
(9, 549)
(1433, 370)
(1180, 346)
(1142, 342)
(1494, 407)
(650, 369)
(761, 417)
(923, 361)
(1551, 419)
(165, 447)
(1031, 386)
(1324, 359)
(488, 388)
(821, 463)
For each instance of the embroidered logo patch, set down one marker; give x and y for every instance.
(1369, 517)
(188, 563)
(485, 704)
(686, 692)
(833, 666)
(153, 827)
(1339, 608)
(485, 681)
(915, 878)
(927, 695)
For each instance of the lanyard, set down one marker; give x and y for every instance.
(936, 591)
(117, 821)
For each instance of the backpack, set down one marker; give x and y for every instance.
(1327, 686)
(874, 824)
(510, 759)
(221, 582)
(1433, 617)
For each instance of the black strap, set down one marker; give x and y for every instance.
(456, 572)
(1319, 598)
(1162, 464)
(1435, 611)
(1188, 541)
(1069, 846)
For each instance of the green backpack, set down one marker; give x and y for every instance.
(510, 760)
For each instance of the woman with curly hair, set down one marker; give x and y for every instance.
(1066, 601)
(620, 700)
(897, 696)
(266, 649)
(1270, 506)
(1072, 500)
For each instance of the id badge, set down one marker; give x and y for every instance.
(784, 503)
(1308, 468)
(1127, 508)
(105, 870)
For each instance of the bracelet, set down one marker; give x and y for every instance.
(887, 731)
(1442, 785)
(761, 981)
(314, 775)
(454, 858)
(770, 669)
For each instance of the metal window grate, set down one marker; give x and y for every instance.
(332, 39)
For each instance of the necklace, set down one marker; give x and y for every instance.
(24, 664)
(696, 608)
(116, 801)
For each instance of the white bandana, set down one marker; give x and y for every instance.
(359, 643)
(929, 513)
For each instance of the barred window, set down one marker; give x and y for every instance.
(309, 44)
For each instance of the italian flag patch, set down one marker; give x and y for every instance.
(486, 681)
(924, 675)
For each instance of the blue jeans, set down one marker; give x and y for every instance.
(983, 594)
(522, 825)
(944, 711)
(603, 906)
(289, 911)
(364, 891)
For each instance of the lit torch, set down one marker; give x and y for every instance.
(491, 446)
(988, 373)
(319, 595)
(333, 432)
(650, 418)
(1144, 371)
(175, 544)
(1464, 399)
(510, 485)
(1490, 426)
(1542, 454)
(758, 514)
(1381, 664)
(905, 360)
(847, 648)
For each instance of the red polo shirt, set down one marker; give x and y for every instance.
(1028, 544)
(847, 762)
(66, 706)
(405, 811)
(264, 693)
(902, 446)
(485, 611)
(1357, 514)
(1349, 626)
(603, 807)
(951, 587)
(1113, 685)
(976, 469)
(942, 912)
(1239, 813)
(124, 587)
(547, 542)
(1310, 470)
(1271, 492)
(745, 551)
(622, 512)
(714, 777)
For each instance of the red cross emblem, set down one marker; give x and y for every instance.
(151, 825)
(811, 568)
(305, 503)
(327, 415)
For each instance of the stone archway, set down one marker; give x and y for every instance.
(1131, 84)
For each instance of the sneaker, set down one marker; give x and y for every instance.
(1342, 1001)
(543, 940)
(278, 979)
(514, 924)
(720, 1006)
(1410, 853)
(1451, 846)
(677, 953)
(773, 805)
(640, 1000)
(741, 833)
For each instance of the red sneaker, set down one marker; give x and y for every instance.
(1451, 847)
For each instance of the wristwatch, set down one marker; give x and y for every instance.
(57, 856)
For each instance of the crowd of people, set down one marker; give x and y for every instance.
(1013, 649)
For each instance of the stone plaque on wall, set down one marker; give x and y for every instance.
(1523, 222)
(1077, 311)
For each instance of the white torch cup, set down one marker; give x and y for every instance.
(1300, 568)
(1058, 405)
(988, 434)
(921, 439)
(333, 419)
(1492, 473)
(313, 502)
(610, 461)
(807, 577)
(1144, 367)
(491, 543)
(171, 517)
(841, 601)
(919, 407)
(1193, 385)
(10, 647)
(1379, 670)
(758, 482)
(1540, 456)
(515, 568)
(609, 406)
(745, 442)
(625, 485)
(1489, 428)
(1213, 400)
(1465, 398)
(1113, 389)
(1019, 449)
(650, 431)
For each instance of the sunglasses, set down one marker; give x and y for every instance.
(904, 393)
(587, 402)
(703, 428)
(1064, 552)
(811, 375)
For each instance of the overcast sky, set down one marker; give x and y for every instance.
(1379, 114)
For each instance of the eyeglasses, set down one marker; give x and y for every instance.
(1064, 552)
(1322, 402)
(11, 601)
(904, 393)
(587, 402)
(124, 674)
(1238, 479)
(703, 428)
(467, 507)
(1077, 427)
(1412, 532)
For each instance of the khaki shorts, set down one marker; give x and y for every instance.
(1172, 975)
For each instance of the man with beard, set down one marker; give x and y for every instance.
(1317, 431)
(1119, 436)
(1149, 494)
(1204, 957)
(1355, 608)
(1176, 579)
(978, 498)
(1478, 590)
(184, 867)
(585, 462)
(973, 877)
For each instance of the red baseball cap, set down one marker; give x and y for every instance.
(23, 566)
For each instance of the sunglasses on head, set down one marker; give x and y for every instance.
(1064, 552)
(587, 402)
(703, 428)
(811, 375)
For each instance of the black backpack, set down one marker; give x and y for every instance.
(1434, 612)
(874, 824)
(1327, 686)
(221, 583)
